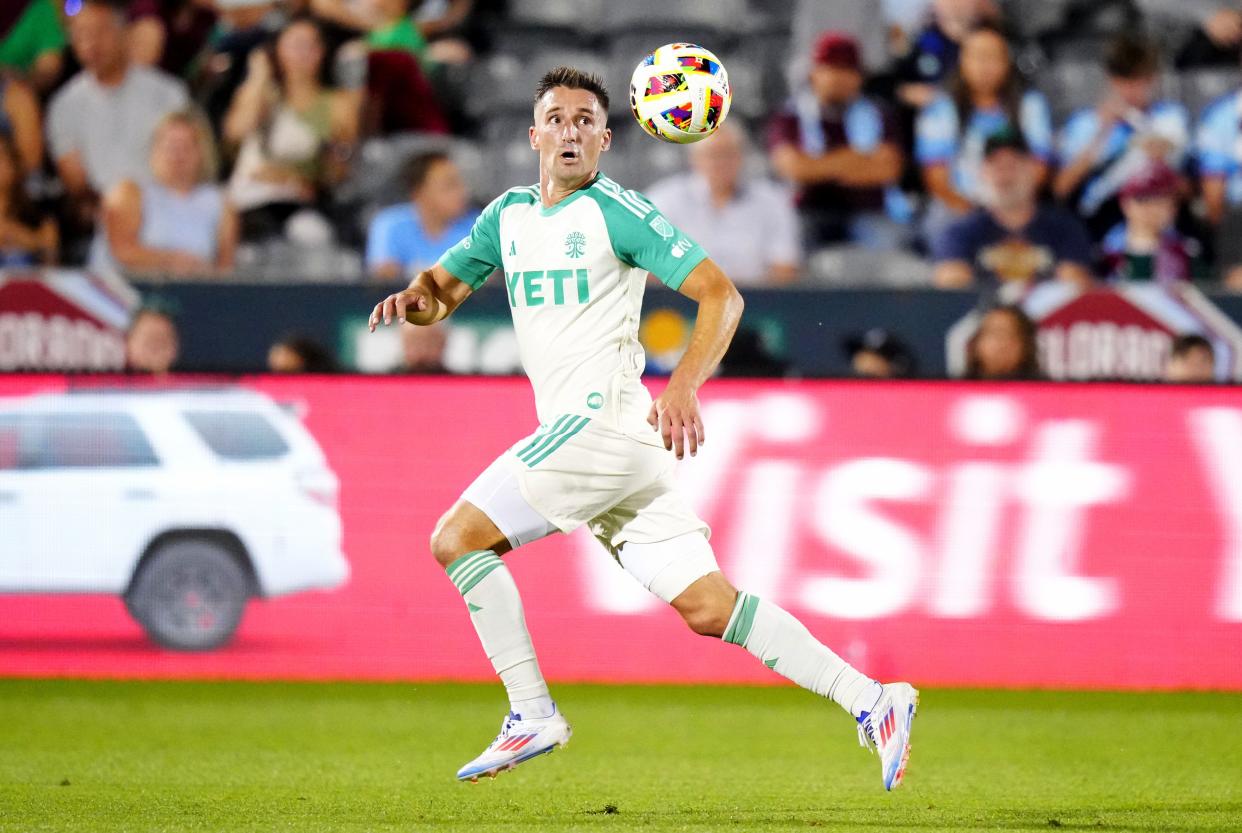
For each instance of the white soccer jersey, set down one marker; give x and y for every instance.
(575, 275)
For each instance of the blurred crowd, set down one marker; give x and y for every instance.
(952, 143)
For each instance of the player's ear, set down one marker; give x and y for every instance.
(607, 139)
(534, 143)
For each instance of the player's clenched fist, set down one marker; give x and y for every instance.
(416, 305)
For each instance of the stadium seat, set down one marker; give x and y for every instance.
(505, 83)
(716, 15)
(841, 266)
(1199, 88)
(580, 15)
(1070, 86)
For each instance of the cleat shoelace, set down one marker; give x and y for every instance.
(865, 738)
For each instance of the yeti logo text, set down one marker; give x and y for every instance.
(557, 287)
(575, 243)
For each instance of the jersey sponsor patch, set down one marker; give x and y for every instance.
(662, 227)
(681, 247)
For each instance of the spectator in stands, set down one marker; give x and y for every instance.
(749, 224)
(839, 148)
(1218, 147)
(983, 96)
(878, 354)
(934, 53)
(1012, 239)
(300, 354)
(405, 239)
(152, 344)
(422, 348)
(1217, 26)
(99, 124)
(27, 235)
(241, 27)
(1192, 361)
(169, 34)
(1101, 148)
(32, 41)
(21, 122)
(1147, 245)
(1003, 347)
(294, 132)
(175, 221)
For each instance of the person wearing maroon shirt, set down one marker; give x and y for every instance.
(839, 149)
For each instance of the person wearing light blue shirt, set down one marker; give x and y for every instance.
(1218, 146)
(408, 238)
(985, 97)
(1103, 147)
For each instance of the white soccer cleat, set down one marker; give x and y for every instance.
(887, 728)
(519, 740)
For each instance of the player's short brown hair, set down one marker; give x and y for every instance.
(575, 79)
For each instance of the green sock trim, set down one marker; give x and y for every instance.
(472, 568)
(742, 620)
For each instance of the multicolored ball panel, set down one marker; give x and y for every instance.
(680, 93)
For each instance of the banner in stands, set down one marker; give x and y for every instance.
(63, 320)
(948, 534)
(1122, 332)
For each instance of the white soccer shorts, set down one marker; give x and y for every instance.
(574, 471)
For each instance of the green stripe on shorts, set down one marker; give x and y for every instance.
(572, 427)
(542, 434)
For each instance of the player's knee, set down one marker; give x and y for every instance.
(446, 543)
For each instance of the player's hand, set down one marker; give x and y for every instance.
(675, 414)
(416, 305)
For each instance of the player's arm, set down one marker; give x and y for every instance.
(675, 412)
(431, 296)
(436, 292)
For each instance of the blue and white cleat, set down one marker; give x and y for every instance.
(887, 728)
(519, 740)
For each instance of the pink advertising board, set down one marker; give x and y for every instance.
(949, 534)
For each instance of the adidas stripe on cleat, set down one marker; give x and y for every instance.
(519, 741)
(887, 728)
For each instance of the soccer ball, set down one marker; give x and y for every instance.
(680, 93)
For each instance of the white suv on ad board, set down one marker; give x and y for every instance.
(184, 502)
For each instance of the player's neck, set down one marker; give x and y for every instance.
(551, 192)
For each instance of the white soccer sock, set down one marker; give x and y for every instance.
(496, 610)
(783, 644)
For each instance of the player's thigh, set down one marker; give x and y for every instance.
(658, 539)
(492, 513)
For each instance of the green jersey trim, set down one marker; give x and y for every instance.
(641, 236)
(550, 210)
(476, 256)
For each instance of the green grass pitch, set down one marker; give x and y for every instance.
(110, 756)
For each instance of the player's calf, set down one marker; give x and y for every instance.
(707, 604)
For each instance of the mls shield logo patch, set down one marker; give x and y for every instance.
(662, 227)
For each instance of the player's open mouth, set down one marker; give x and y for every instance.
(569, 155)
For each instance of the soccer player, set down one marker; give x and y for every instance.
(574, 251)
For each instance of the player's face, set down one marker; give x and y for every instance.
(570, 132)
